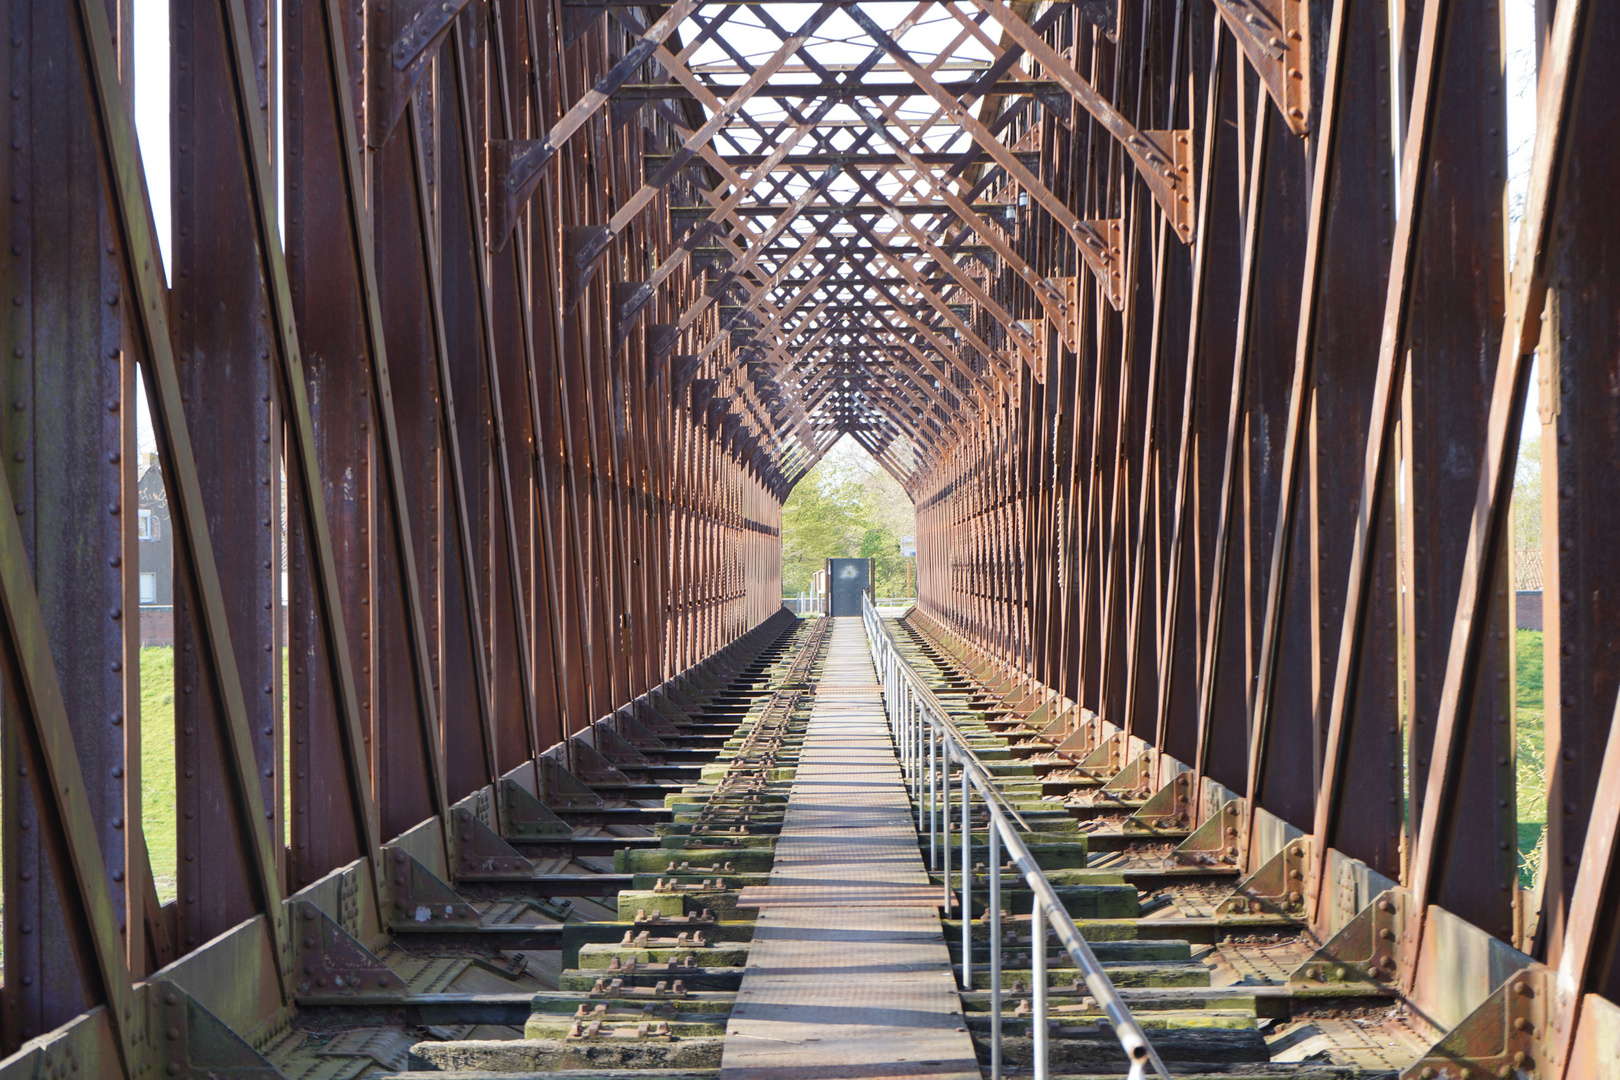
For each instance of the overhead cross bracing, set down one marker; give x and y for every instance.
(858, 175)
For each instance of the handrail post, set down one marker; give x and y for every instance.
(901, 739)
(967, 885)
(901, 690)
(1037, 955)
(916, 794)
(918, 734)
(937, 795)
(945, 817)
(911, 754)
(928, 719)
(995, 952)
(933, 807)
(915, 737)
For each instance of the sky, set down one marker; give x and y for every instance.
(1521, 128)
(151, 19)
(838, 38)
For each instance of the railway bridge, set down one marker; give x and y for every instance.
(458, 357)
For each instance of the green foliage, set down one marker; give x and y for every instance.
(1527, 670)
(1529, 711)
(1527, 497)
(882, 546)
(1531, 757)
(847, 506)
(157, 766)
(158, 796)
(821, 520)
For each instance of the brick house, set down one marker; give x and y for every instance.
(156, 539)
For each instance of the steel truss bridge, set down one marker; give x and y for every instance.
(490, 337)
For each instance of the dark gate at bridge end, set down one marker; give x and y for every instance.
(846, 580)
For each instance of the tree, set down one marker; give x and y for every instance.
(847, 506)
(882, 546)
(1526, 567)
(821, 519)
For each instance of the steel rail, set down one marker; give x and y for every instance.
(916, 716)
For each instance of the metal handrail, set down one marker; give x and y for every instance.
(929, 741)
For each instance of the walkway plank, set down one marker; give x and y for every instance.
(840, 984)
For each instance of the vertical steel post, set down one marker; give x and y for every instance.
(967, 885)
(945, 819)
(995, 951)
(914, 744)
(917, 764)
(1037, 956)
(933, 799)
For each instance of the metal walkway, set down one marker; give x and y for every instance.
(841, 981)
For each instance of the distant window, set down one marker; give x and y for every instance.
(148, 588)
(146, 525)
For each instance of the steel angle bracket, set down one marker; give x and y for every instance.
(515, 169)
(562, 790)
(421, 898)
(1102, 249)
(1276, 37)
(184, 1039)
(619, 750)
(1111, 233)
(480, 852)
(1367, 952)
(648, 716)
(716, 414)
(404, 36)
(524, 817)
(661, 341)
(1277, 888)
(625, 724)
(621, 110)
(1103, 760)
(709, 257)
(331, 963)
(1067, 311)
(703, 390)
(1135, 777)
(1058, 726)
(581, 245)
(1055, 99)
(684, 366)
(1103, 14)
(577, 18)
(1167, 166)
(629, 297)
(592, 766)
(1168, 808)
(1509, 1034)
(1218, 842)
(1031, 344)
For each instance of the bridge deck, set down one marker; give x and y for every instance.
(841, 983)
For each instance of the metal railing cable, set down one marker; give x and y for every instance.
(929, 743)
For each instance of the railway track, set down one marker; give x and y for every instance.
(598, 931)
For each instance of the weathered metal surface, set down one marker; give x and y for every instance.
(67, 539)
(223, 335)
(1211, 428)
